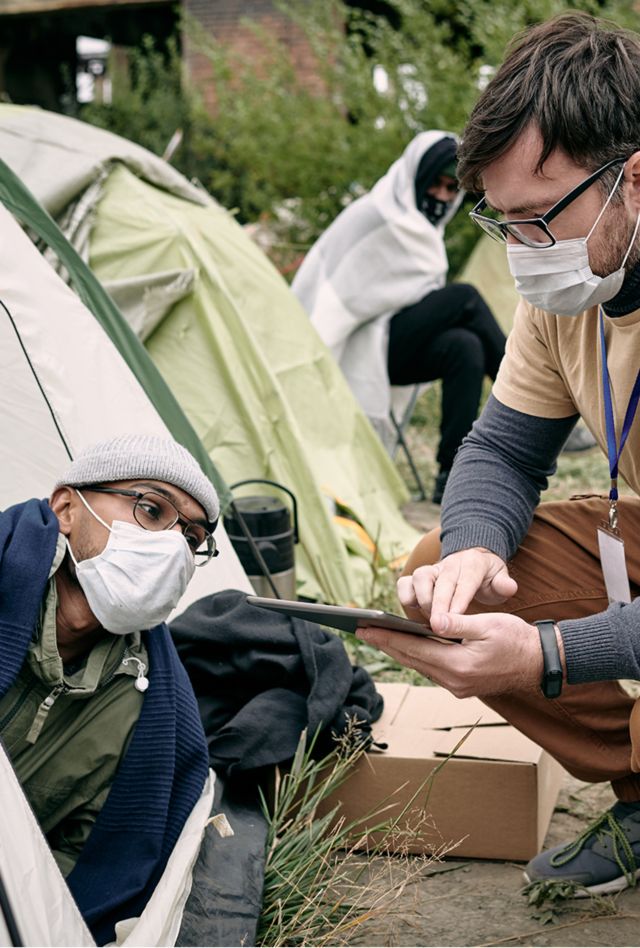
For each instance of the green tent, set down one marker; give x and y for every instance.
(487, 269)
(234, 346)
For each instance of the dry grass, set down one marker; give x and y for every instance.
(320, 887)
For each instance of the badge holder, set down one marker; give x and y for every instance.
(612, 555)
(610, 542)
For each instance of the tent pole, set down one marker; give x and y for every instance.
(9, 918)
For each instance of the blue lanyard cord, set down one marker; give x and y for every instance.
(612, 446)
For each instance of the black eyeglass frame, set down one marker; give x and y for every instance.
(499, 230)
(212, 549)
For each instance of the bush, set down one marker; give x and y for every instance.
(276, 145)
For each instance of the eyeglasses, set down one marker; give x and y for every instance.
(153, 511)
(535, 231)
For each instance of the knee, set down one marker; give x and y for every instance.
(467, 295)
(466, 353)
(425, 553)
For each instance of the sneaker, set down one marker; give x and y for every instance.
(438, 490)
(604, 858)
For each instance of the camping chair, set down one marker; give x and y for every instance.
(403, 402)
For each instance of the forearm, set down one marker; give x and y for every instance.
(605, 646)
(498, 475)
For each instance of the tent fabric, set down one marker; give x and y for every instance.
(261, 391)
(20, 202)
(78, 153)
(63, 385)
(162, 917)
(49, 916)
(487, 269)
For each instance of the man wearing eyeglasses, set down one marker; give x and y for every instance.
(96, 711)
(546, 597)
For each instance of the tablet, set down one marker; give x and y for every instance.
(346, 618)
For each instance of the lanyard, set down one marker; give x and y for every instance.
(613, 449)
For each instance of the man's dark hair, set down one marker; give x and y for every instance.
(578, 79)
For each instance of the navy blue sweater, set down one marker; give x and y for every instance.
(165, 767)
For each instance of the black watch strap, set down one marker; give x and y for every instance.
(551, 683)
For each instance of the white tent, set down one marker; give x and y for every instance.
(48, 914)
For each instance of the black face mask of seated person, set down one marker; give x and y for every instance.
(433, 163)
(433, 208)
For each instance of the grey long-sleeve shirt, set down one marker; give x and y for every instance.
(492, 492)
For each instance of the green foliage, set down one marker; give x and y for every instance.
(550, 897)
(150, 101)
(295, 152)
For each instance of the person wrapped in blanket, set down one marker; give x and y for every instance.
(374, 286)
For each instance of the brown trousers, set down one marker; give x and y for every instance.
(593, 729)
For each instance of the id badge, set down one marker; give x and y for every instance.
(614, 566)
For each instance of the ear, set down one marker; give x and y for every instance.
(632, 183)
(63, 504)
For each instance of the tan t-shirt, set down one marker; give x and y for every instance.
(553, 368)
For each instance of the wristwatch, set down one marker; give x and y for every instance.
(551, 683)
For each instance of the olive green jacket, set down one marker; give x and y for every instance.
(67, 728)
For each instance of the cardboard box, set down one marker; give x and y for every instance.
(495, 795)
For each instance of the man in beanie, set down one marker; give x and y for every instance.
(374, 287)
(96, 711)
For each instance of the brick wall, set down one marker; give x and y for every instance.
(223, 20)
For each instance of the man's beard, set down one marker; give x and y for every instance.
(86, 546)
(615, 237)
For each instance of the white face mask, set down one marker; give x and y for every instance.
(559, 278)
(139, 577)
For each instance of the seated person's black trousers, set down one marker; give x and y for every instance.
(450, 334)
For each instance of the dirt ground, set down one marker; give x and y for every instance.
(476, 903)
(480, 903)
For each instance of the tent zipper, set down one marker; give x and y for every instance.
(43, 711)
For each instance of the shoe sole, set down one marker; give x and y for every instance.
(603, 888)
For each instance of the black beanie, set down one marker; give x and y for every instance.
(437, 160)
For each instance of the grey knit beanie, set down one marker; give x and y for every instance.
(136, 455)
